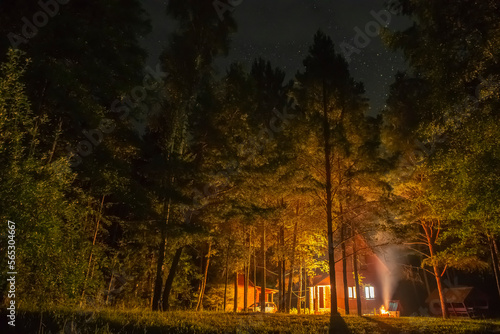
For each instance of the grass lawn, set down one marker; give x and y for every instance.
(146, 322)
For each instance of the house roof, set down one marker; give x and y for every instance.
(362, 243)
(241, 282)
(321, 280)
(458, 294)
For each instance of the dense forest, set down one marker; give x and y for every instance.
(154, 188)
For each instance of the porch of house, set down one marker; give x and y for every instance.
(319, 295)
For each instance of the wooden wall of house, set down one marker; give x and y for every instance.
(371, 270)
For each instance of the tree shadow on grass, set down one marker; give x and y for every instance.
(386, 327)
(338, 326)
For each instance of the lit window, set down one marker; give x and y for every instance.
(369, 292)
(352, 292)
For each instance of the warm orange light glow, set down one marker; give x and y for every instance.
(383, 311)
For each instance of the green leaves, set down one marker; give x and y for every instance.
(16, 122)
(35, 196)
(440, 120)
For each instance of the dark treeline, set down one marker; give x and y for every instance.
(156, 187)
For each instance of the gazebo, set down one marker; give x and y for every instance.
(460, 301)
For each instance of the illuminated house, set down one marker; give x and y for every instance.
(251, 288)
(371, 271)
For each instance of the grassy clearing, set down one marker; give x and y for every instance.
(187, 322)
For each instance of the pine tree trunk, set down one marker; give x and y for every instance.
(170, 278)
(299, 299)
(226, 281)
(329, 219)
(245, 288)
(159, 279)
(247, 273)
(109, 287)
(292, 266)
(495, 247)
(344, 263)
(236, 292)
(306, 288)
(356, 276)
(280, 271)
(281, 301)
(342, 238)
(204, 282)
(152, 285)
(263, 283)
(92, 250)
(283, 277)
(161, 258)
(494, 263)
(254, 277)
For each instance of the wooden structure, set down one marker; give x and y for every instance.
(251, 288)
(394, 308)
(460, 301)
(370, 268)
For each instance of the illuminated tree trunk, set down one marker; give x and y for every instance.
(245, 289)
(280, 271)
(292, 264)
(109, 287)
(282, 266)
(283, 278)
(226, 280)
(236, 292)
(329, 221)
(431, 234)
(343, 236)
(356, 276)
(92, 250)
(306, 291)
(247, 274)
(204, 282)
(263, 283)
(344, 263)
(254, 276)
(299, 299)
(444, 309)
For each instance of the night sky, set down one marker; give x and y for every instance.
(282, 30)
